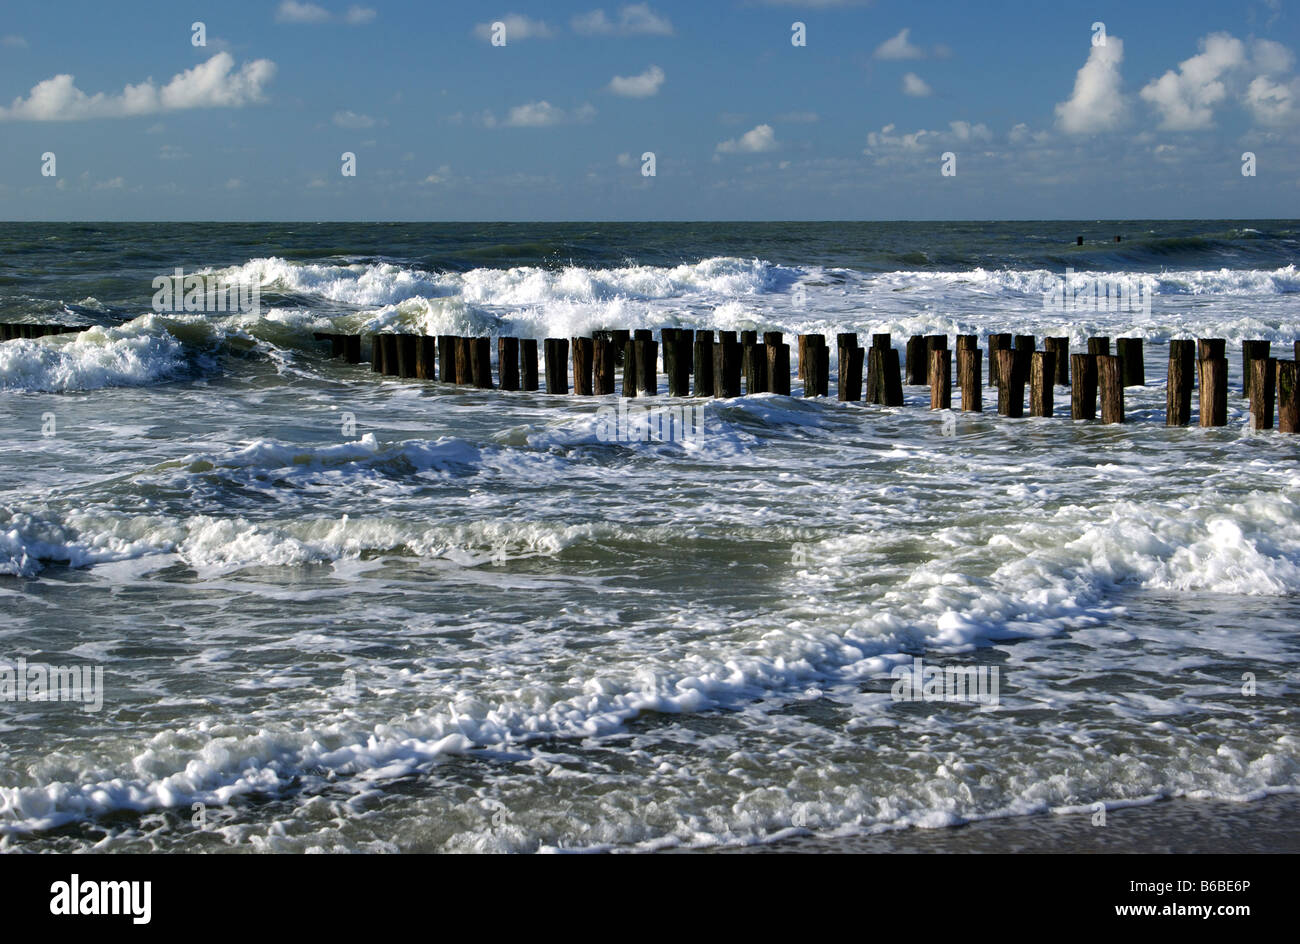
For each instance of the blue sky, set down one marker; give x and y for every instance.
(1042, 122)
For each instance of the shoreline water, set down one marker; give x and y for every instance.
(1179, 826)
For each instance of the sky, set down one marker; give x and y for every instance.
(750, 109)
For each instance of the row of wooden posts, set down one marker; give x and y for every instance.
(10, 331)
(718, 364)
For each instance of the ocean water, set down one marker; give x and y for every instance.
(339, 612)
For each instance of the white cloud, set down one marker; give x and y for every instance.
(755, 141)
(916, 86)
(638, 86)
(291, 11)
(899, 47)
(633, 19)
(799, 117)
(211, 84)
(14, 42)
(1272, 103)
(1186, 99)
(539, 115)
(517, 27)
(959, 132)
(351, 119)
(234, 183)
(117, 183)
(1097, 103)
(1021, 135)
(625, 159)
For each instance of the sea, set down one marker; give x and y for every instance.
(312, 608)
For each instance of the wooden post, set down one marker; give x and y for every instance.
(446, 358)
(647, 366)
(1083, 392)
(892, 377)
(425, 361)
(1178, 391)
(391, 367)
(1207, 348)
(916, 364)
(753, 362)
(1263, 383)
(1099, 346)
(528, 363)
(584, 355)
(464, 361)
(508, 363)
(1110, 384)
(620, 338)
(778, 363)
(726, 365)
(969, 377)
(1214, 390)
(703, 363)
(816, 383)
(480, 362)
(352, 349)
(1011, 392)
(1024, 355)
(406, 355)
(604, 361)
(1250, 351)
(1132, 369)
(629, 368)
(686, 340)
(940, 378)
(996, 343)
(875, 381)
(850, 372)
(1288, 397)
(1060, 347)
(677, 364)
(803, 357)
(557, 365)
(1042, 375)
(376, 354)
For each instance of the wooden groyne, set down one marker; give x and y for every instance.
(12, 331)
(726, 364)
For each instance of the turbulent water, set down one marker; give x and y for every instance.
(335, 612)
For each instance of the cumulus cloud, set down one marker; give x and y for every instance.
(539, 115)
(517, 27)
(212, 84)
(899, 47)
(291, 11)
(1185, 99)
(638, 86)
(1272, 103)
(1097, 102)
(916, 86)
(754, 141)
(633, 19)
